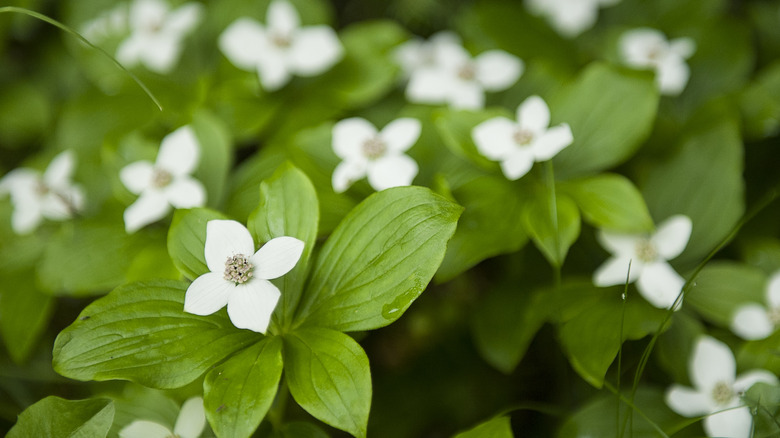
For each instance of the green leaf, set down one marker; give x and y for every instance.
(56, 417)
(499, 427)
(288, 207)
(300, 429)
(329, 376)
(675, 344)
(764, 400)
(603, 96)
(610, 201)
(24, 314)
(760, 354)
(378, 260)
(760, 103)
(722, 287)
(216, 155)
(455, 130)
(553, 238)
(239, 391)
(139, 332)
(187, 240)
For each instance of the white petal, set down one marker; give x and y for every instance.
(732, 423)
(773, 290)
(183, 19)
(56, 207)
(619, 244)
(191, 420)
(517, 163)
(429, 85)
(242, 43)
(683, 47)
(150, 207)
(614, 271)
(349, 136)
(59, 172)
(26, 217)
(226, 238)
(21, 183)
(672, 75)
(466, 95)
(572, 18)
(137, 176)
(391, 171)
(671, 237)
(144, 12)
(751, 322)
(552, 142)
(282, 17)
(711, 363)
(410, 55)
(494, 138)
(160, 53)
(252, 304)
(452, 57)
(144, 429)
(400, 134)
(129, 51)
(208, 293)
(750, 378)
(274, 72)
(638, 44)
(314, 50)
(179, 152)
(277, 257)
(346, 173)
(185, 192)
(688, 402)
(496, 70)
(533, 115)
(660, 284)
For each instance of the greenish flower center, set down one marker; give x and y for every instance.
(467, 72)
(646, 251)
(774, 315)
(523, 137)
(281, 40)
(42, 189)
(722, 393)
(161, 178)
(374, 148)
(238, 269)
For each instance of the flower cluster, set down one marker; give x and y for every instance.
(649, 49)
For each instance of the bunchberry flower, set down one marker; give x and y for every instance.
(569, 17)
(717, 391)
(239, 275)
(189, 424)
(646, 48)
(281, 47)
(656, 280)
(754, 321)
(417, 53)
(165, 183)
(156, 34)
(35, 196)
(518, 144)
(376, 155)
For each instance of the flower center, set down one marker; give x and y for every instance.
(374, 148)
(238, 269)
(722, 393)
(523, 137)
(161, 178)
(467, 72)
(281, 40)
(41, 189)
(645, 251)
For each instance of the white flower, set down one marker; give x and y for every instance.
(658, 282)
(418, 53)
(459, 80)
(754, 321)
(569, 17)
(106, 24)
(36, 196)
(156, 34)
(165, 183)
(646, 48)
(239, 275)
(717, 390)
(189, 424)
(281, 48)
(518, 145)
(377, 155)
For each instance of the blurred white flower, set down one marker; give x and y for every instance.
(656, 280)
(457, 79)
(418, 53)
(281, 47)
(569, 17)
(717, 391)
(165, 183)
(646, 48)
(156, 34)
(35, 196)
(754, 321)
(106, 24)
(518, 144)
(189, 424)
(239, 275)
(376, 155)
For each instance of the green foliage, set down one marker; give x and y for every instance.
(187, 239)
(498, 427)
(56, 417)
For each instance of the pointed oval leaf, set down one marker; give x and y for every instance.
(553, 238)
(216, 154)
(56, 417)
(24, 313)
(328, 375)
(187, 240)
(499, 427)
(139, 332)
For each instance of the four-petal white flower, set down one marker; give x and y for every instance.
(717, 391)
(239, 275)
(282, 47)
(754, 321)
(518, 145)
(457, 79)
(36, 196)
(569, 17)
(189, 424)
(165, 183)
(417, 53)
(377, 155)
(646, 48)
(156, 34)
(656, 280)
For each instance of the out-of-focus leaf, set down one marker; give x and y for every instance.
(24, 313)
(55, 417)
(499, 427)
(216, 155)
(187, 240)
(553, 237)
(722, 287)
